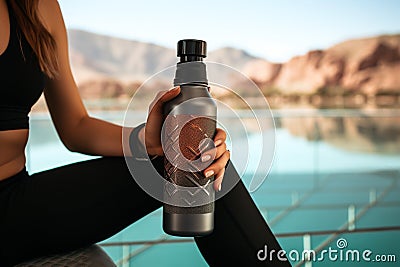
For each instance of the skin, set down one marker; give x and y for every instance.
(77, 130)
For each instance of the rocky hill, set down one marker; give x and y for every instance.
(103, 66)
(367, 66)
(98, 56)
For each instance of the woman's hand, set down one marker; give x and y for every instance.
(152, 136)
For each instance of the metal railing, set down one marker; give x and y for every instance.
(278, 235)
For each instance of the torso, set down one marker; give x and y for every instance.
(12, 142)
(12, 156)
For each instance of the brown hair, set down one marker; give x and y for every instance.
(38, 37)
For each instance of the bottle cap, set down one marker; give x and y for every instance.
(192, 47)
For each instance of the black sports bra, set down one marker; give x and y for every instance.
(21, 79)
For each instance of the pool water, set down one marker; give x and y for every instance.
(312, 186)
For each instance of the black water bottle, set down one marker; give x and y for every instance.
(188, 130)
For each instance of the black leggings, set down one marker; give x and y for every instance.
(73, 206)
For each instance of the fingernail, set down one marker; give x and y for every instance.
(209, 174)
(174, 88)
(205, 158)
(219, 187)
(218, 142)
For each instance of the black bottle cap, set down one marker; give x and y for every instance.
(192, 47)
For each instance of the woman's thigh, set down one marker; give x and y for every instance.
(72, 206)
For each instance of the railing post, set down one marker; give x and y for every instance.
(351, 214)
(306, 251)
(295, 197)
(266, 215)
(125, 256)
(372, 196)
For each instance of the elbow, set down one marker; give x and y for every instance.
(71, 146)
(70, 137)
(69, 141)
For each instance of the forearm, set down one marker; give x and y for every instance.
(97, 137)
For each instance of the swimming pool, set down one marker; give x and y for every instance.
(329, 167)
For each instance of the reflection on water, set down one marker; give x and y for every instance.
(305, 141)
(364, 133)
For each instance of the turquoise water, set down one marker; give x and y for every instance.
(322, 178)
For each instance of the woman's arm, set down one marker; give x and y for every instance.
(78, 131)
(81, 133)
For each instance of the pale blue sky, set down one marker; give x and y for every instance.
(273, 29)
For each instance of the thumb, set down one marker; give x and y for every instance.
(164, 96)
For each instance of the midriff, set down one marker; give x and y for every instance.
(12, 152)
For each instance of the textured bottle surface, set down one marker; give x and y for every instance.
(186, 136)
(189, 129)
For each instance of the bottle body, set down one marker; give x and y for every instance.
(189, 125)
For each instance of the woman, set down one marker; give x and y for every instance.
(80, 204)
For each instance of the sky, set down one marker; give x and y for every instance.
(272, 29)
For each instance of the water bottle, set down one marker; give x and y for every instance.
(188, 131)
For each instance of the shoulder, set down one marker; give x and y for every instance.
(50, 15)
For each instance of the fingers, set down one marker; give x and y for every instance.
(220, 136)
(218, 180)
(218, 168)
(214, 153)
(221, 156)
(162, 97)
(155, 120)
